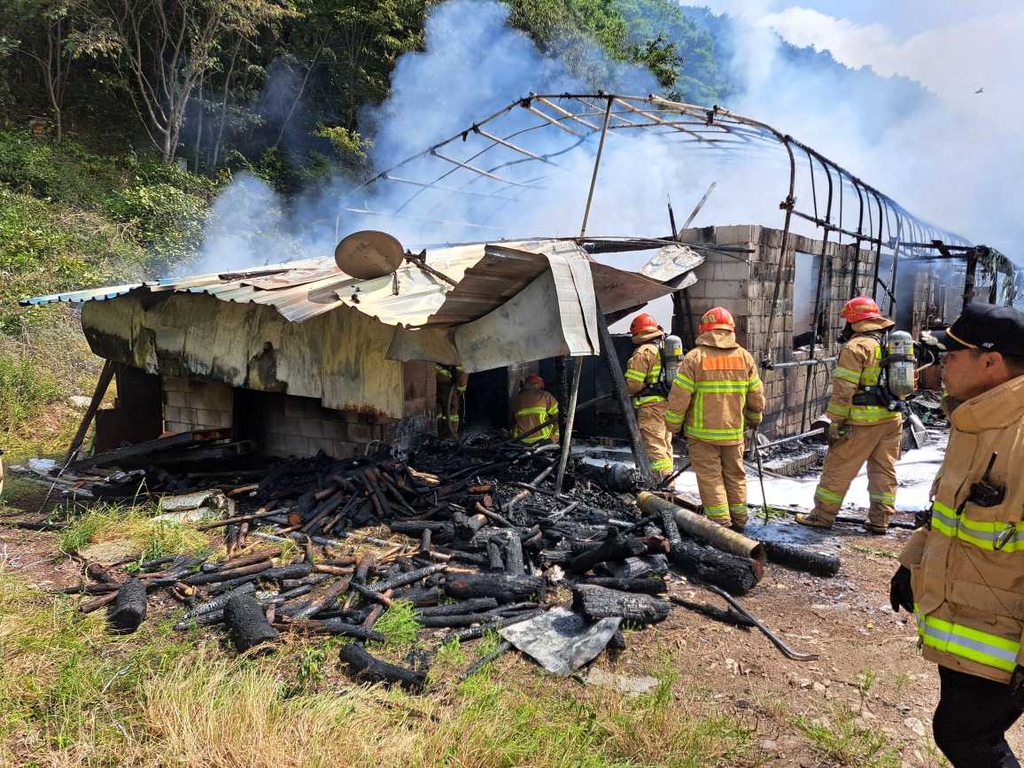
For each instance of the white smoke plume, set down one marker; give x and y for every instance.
(958, 173)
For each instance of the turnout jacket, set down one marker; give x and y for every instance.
(531, 408)
(716, 391)
(859, 366)
(644, 370)
(967, 569)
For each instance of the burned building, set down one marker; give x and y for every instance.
(303, 356)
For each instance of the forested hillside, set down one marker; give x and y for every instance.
(121, 122)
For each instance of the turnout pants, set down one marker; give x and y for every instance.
(721, 480)
(971, 721)
(879, 446)
(657, 438)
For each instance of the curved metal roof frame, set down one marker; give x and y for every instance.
(880, 220)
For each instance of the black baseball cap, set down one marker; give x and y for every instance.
(984, 327)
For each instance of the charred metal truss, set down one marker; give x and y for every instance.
(497, 159)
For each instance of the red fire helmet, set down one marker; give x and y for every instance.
(534, 379)
(643, 322)
(715, 318)
(860, 308)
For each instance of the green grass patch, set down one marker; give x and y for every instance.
(398, 624)
(837, 736)
(152, 538)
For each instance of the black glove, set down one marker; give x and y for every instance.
(1017, 686)
(900, 593)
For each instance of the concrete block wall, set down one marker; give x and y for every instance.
(190, 404)
(300, 426)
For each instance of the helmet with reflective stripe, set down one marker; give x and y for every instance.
(534, 380)
(717, 318)
(860, 308)
(643, 322)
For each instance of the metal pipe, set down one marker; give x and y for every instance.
(817, 295)
(794, 438)
(787, 205)
(597, 166)
(701, 528)
(569, 422)
(798, 363)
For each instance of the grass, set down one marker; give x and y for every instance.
(839, 737)
(152, 538)
(71, 695)
(398, 624)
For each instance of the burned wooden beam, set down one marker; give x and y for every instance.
(369, 669)
(596, 603)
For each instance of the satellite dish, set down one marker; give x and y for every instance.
(368, 254)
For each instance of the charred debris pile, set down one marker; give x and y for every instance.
(472, 539)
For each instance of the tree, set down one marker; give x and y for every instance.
(162, 49)
(42, 28)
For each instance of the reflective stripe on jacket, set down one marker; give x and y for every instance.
(446, 373)
(859, 366)
(531, 408)
(968, 568)
(716, 391)
(644, 370)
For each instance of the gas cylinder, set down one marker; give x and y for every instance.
(900, 365)
(671, 354)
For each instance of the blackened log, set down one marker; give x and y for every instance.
(369, 669)
(425, 538)
(503, 647)
(736, 575)
(339, 627)
(372, 596)
(474, 633)
(442, 532)
(615, 547)
(98, 602)
(644, 586)
(556, 556)
(514, 554)
(596, 603)
(421, 598)
(668, 524)
(293, 571)
(255, 557)
(637, 567)
(728, 616)
(247, 624)
(505, 588)
(375, 612)
(495, 562)
(466, 606)
(470, 558)
(199, 579)
(403, 579)
(801, 558)
(128, 610)
(366, 562)
(324, 600)
(218, 603)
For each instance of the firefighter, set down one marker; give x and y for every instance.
(862, 427)
(718, 394)
(961, 572)
(532, 407)
(645, 384)
(451, 387)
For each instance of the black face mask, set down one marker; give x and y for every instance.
(846, 334)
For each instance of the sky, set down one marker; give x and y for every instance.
(952, 47)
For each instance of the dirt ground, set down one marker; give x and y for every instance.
(869, 681)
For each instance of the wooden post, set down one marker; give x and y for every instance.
(615, 375)
(102, 384)
(597, 165)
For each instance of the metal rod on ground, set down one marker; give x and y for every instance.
(794, 438)
(667, 482)
(776, 641)
(570, 420)
(760, 474)
(597, 165)
(640, 456)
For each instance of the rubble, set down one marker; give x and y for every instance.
(474, 538)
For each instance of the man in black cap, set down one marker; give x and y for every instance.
(962, 572)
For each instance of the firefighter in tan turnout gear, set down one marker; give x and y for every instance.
(643, 381)
(862, 427)
(451, 388)
(962, 572)
(717, 394)
(532, 407)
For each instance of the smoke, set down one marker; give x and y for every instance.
(958, 171)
